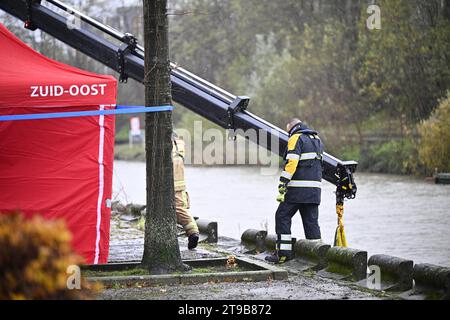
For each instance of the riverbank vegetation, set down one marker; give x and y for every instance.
(434, 150)
(376, 96)
(366, 91)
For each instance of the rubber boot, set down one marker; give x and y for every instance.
(279, 257)
(192, 241)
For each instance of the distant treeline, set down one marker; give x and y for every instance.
(315, 59)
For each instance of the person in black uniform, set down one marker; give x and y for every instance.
(299, 188)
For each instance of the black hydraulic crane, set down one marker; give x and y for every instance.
(122, 53)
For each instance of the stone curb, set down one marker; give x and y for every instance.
(262, 272)
(312, 253)
(187, 279)
(254, 239)
(346, 264)
(430, 278)
(396, 273)
(208, 230)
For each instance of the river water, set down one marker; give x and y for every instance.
(394, 215)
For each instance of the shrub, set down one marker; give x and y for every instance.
(34, 256)
(397, 157)
(434, 149)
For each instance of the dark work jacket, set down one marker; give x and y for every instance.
(305, 183)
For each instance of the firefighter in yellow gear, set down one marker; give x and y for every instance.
(182, 204)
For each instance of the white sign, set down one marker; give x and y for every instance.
(135, 125)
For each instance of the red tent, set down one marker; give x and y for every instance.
(58, 168)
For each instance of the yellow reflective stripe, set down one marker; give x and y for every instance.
(179, 183)
(291, 166)
(292, 163)
(292, 143)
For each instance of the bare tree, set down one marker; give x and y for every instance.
(161, 251)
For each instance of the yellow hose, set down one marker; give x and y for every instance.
(340, 240)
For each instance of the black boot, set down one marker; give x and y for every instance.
(279, 257)
(192, 241)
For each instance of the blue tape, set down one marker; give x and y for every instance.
(119, 110)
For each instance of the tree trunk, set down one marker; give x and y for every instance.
(161, 250)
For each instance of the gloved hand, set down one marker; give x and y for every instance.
(282, 189)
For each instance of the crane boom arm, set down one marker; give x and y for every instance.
(121, 52)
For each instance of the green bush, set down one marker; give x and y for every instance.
(434, 148)
(34, 256)
(350, 152)
(122, 134)
(398, 157)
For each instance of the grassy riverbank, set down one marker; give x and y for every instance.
(126, 153)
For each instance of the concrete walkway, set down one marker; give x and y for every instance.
(127, 244)
(295, 288)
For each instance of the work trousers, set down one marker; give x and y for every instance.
(309, 214)
(184, 217)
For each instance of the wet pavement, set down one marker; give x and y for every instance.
(127, 245)
(297, 287)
